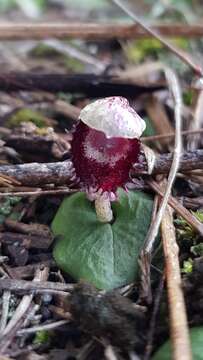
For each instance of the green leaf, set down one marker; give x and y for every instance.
(104, 254)
(42, 337)
(196, 336)
(197, 250)
(150, 130)
(6, 206)
(187, 266)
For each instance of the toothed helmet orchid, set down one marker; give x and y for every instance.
(105, 145)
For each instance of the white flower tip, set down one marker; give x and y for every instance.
(114, 117)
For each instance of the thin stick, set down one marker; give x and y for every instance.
(18, 316)
(23, 285)
(5, 310)
(145, 260)
(178, 207)
(50, 326)
(75, 53)
(94, 31)
(178, 52)
(109, 353)
(145, 255)
(91, 85)
(175, 89)
(155, 310)
(196, 123)
(67, 109)
(181, 347)
(39, 192)
(171, 135)
(62, 172)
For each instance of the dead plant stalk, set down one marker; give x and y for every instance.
(19, 315)
(178, 320)
(93, 31)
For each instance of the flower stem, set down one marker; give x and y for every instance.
(103, 209)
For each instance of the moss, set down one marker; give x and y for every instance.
(43, 50)
(138, 50)
(188, 97)
(25, 115)
(197, 250)
(185, 231)
(6, 207)
(142, 48)
(42, 337)
(73, 64)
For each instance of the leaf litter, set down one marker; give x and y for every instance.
(73, 319)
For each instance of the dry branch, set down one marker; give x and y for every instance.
(61, 173)
(36, 174)
(90, 84)
(36, 286)
(46, 327)
(188, 161)
(174, 87)
(178, 207)
(178, 320)
(170, 135)
(93, 31)
(20, 314)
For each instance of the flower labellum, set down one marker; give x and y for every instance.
(105, 145)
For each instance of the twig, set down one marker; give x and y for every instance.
(178, 52)
(192, 202)
(145, 261)
(18, 316)
(196, 123)
(155, 310)
(89, 84)
(34, 241)
(174, 86)
(180, 209)
(181, 347)
(50, 326)
(146, 252)
(39, 192)
(109, 353)
(28, 271)
(8, 180)
(62, 172)
(23, 352)
(85, 350)
(94, 31)
(171, 135)
(76, 53)
(5, 310)
(67, 109)
(153, 231)
(57, 173)
(23, 285)
(155, 110)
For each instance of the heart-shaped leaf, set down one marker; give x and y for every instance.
(104, 254)
(196, 337)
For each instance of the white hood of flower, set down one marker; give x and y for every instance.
(114, 117)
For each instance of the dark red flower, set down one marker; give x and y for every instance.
(106, 144)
